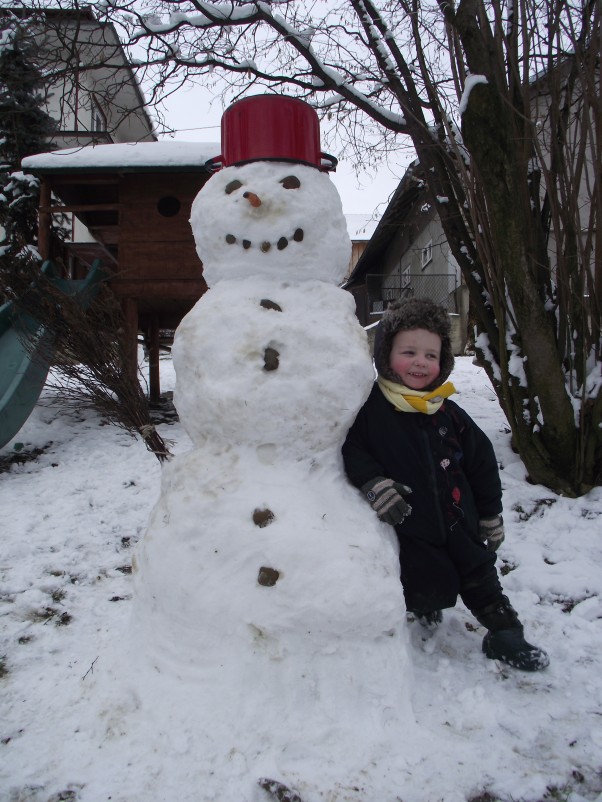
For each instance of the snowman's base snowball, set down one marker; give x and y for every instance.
(329, 567)
(304, 677)
(332, 724)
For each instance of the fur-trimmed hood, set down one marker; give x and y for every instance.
(413, 313)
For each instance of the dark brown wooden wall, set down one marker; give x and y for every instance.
(155, 246)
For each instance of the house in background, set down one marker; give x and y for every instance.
(125, 196)
(360, 228)
(133, 201)
(92, 93)
(407, 256)
(92, 103)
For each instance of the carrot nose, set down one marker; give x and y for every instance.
(253, 199)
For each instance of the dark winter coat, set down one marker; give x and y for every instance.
(445, 458)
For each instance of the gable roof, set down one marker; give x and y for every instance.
(99, 51)
(361, 227)
(410, 188)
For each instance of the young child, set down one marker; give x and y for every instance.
(428, 470)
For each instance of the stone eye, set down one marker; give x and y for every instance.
(233, 186)
(291, 182)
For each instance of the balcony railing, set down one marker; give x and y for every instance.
(439, 287)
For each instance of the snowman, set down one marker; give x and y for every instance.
(264, 582)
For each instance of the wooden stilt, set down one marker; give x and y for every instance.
(154, 375)
(130, 314)
(44, 220)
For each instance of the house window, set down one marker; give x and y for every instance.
(427, 253)
(405, 277)
(99, 121)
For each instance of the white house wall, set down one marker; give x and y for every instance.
(579, 121)
(71, 101)
(114, 89)
(424, 279)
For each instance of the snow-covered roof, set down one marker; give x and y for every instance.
(128, 156)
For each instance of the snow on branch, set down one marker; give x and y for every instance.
(279, 44)
(471, 82)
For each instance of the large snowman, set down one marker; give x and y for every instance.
(264, 581)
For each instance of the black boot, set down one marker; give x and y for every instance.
(505, 641)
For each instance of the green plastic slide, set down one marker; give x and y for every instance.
(26, 351)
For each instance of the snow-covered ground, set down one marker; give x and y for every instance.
(71, 727)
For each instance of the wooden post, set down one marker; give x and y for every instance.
(154, 375)
(44, 220)
(130, 314)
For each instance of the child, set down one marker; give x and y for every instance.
(428, 470)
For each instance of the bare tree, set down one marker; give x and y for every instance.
(84, 339)
(501, 102)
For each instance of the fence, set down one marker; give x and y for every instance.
(439, 287)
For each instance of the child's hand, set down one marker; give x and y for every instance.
(492, 530)
(386, 498)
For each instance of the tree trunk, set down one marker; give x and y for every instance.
(536, 402)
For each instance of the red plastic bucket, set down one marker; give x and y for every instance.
(271, 128)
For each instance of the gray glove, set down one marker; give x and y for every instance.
(386, 498)
(492, 530)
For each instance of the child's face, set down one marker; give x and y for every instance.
(415, 356)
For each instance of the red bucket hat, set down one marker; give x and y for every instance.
(271, 128)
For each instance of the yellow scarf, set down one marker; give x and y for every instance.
(406, 400)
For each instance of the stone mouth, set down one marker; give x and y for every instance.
(266, 245)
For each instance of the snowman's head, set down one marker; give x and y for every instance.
(277, 219)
